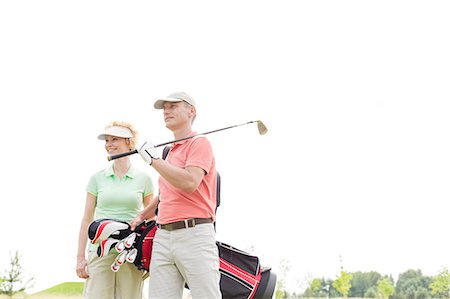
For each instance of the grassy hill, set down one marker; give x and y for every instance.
(63, 290)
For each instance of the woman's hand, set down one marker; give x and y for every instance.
(136, 221)
(82, 268)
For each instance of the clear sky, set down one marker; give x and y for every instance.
(355, 95)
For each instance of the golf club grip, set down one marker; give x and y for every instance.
(122, 155)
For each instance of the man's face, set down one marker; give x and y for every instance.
(177, 114)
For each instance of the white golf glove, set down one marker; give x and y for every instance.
(148, 152)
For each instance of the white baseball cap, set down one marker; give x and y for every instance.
(117, 131)
(175, 97)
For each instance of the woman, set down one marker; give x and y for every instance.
(118, 192)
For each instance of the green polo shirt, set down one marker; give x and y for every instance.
(117, 198)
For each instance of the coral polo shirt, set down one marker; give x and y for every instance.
(175, 204)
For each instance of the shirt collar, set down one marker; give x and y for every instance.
(184, 141)
(130, 173)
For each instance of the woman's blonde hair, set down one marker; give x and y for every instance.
(134, 132)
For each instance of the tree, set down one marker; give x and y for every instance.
(329, 288)
(281, 291)
(411, 284)
(343, 283)
(320, 288)
(13, 280)
(422, 293)
(385, 287)
(371, 293)
(315, 289)
(315, 286)
(362, 281)
(440, 284)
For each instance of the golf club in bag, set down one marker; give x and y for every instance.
(133, 247)
(241, 275)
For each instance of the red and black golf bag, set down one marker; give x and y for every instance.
(144, 243)
(241, 275)
(135, 247)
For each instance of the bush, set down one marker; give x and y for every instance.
(371, 293)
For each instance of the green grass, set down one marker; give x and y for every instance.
(18, 296)
(67, 289)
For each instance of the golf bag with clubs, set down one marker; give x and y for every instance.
(134, 247)
(241, 275)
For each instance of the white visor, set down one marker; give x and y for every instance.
(116, 131)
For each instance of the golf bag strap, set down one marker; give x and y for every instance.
(165, 152)
(218, 191)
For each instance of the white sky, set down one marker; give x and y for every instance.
(355, 95)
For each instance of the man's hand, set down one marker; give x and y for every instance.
(148, 152)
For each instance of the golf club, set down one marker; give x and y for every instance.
(130, 240)
(131, 256)
(120, 259)
(115, 267)
(120, 246)
(262, 129)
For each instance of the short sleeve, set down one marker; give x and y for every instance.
(148, 188)
(92, 186)
(200, 154)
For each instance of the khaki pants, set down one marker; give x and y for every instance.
(103, 283)
(185, 255)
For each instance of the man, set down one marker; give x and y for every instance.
(184, 248)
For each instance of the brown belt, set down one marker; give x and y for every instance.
(184, 223)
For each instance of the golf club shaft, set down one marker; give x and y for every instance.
(181, 139)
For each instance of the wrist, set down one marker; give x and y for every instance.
(141, 217)
(81, 257)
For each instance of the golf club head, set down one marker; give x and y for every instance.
(120, 259)
(120, 246)
(115, 267)
(261, 127)
(131, 256)
(130, 240)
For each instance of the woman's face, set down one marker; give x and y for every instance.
(116, 145)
